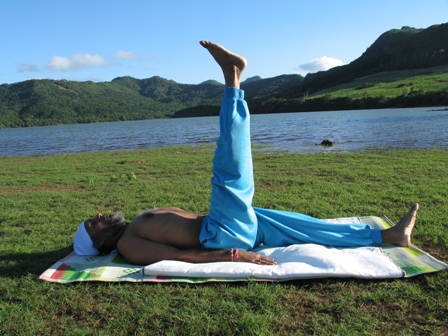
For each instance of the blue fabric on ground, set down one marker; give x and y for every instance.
(283, 228)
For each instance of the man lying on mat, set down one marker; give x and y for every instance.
(233, 227)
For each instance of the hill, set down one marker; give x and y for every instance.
(392, 89)
(398, 49)
(53, 102)
(254, 88)
(403, 67)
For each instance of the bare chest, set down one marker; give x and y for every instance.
(168, 228)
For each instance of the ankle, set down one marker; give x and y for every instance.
(232, 77)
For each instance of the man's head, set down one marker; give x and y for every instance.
(99, 234)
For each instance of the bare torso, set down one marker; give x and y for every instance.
(160, 234)
(169, 226)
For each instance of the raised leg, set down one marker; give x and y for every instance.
(231, 222)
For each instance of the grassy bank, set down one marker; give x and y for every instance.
(392, 84)
(391, 89)
(43, 200)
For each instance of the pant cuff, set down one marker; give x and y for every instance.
(376, 236)
(233, 93)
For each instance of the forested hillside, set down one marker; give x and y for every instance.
(398, 49)
(403, 68)
(52, 102)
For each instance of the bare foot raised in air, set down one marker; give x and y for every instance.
(400, 234)
(232, 65)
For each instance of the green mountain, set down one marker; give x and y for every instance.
(52, 102)
(254, 88)
(398, 49)
(403, 67)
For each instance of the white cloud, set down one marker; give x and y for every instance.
(76, 62)
(24, 67)
(128, 55)
(82, 61)
(318, 64)
(61, 64)
(123, 54)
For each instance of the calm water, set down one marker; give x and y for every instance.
(295, 132)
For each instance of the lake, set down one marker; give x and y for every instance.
(358, 130)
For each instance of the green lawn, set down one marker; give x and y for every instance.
(391, 84)
(43, 200)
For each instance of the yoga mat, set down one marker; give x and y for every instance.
(301, 261)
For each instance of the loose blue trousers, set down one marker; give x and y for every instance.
(234, 223)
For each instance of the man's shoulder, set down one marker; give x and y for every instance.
(149, 211)
(143, 216)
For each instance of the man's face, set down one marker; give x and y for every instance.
(95, 226)
(105, 231)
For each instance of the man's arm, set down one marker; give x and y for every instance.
(144, 252)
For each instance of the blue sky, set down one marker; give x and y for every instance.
(99, 40)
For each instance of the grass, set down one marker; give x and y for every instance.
(43, 200)
(391, 84)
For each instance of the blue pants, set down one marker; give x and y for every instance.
(234, 223)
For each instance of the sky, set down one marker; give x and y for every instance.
(100, 40)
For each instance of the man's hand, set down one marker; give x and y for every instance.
(247, 256)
